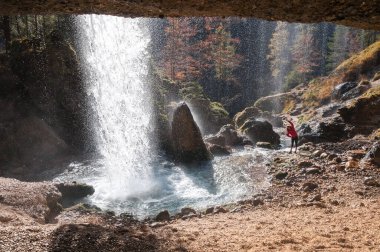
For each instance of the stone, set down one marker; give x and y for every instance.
(332, 156)
(355, 92)
(163, 216)
(314, 198)
(187, 211)
(189, 216)
(32, 142)
(356, 154)
(373, 155)
(313, 170)
(317, 153)
(218, 150)
(257, 202)
(188, 145)
(157, 224)
(264, 145)
(281, 175)
(220, 210)
(352, 164)
(230, 135)
(260, 131)
(210, 210)
(304, 164)
(309, 186)
(338, 160)
(323, 155)
(74, 190)
(342, 88)
(369, 181)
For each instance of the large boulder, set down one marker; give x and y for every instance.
(247, 113)
(30, 147)
(364, 112)
(342, 89)
(260, 131)
(330, 130)
(227, 136)
(188, 145)
(276, 103)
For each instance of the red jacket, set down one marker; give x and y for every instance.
(291, 131)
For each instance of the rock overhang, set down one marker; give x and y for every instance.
(362, 14)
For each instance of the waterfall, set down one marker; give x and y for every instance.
(115, 59)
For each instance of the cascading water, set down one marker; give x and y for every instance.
(129, 176)
(114, 50)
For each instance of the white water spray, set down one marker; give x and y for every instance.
(114, 50)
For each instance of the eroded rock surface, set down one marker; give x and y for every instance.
(349, 12)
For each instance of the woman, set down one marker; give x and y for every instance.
(292, 133)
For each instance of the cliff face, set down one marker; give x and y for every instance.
(45, 116)
(348, 12)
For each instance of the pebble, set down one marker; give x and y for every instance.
(369, 181)
(281, 175)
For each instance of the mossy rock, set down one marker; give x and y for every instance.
(276, 103)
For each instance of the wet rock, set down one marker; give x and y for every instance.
(373, 154)
(218, 150)
(264, 145)
(246, 114)
(163, 216)
(230, 135)
(216, 140)
(260, 131)
(257, 202)
(210, 210)
(187, 211)
(369, 181)
(188, 144)
(281, 175)
(74, 190)
(343, 88)
(220, 210)
(304, 164)
(227, 136)
(309, 186)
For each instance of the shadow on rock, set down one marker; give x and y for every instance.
(90, 237)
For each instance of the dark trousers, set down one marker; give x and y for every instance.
(294, 141)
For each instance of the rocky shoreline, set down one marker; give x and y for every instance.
(325, 183)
